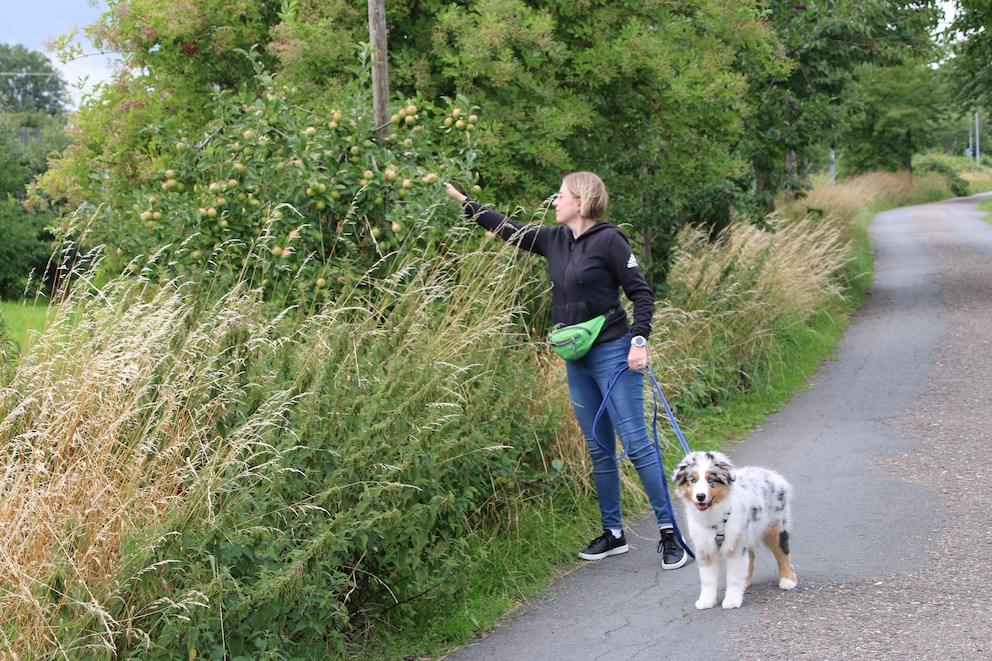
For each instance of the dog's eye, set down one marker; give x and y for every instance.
(712, 480)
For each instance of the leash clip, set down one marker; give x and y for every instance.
(721, 529)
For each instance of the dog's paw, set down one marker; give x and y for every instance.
(787, 583)
(703, 604)
(732, 602)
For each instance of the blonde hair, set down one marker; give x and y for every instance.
(591, 191)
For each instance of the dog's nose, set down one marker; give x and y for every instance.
(701, 497)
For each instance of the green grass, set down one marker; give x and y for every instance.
(21, 318)
(741, 413)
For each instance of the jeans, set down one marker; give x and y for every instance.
(588, 380)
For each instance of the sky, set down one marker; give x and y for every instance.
(31, 23)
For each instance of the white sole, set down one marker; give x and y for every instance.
(599, 556)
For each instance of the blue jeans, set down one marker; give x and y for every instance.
(588, 380)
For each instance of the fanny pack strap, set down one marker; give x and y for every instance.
(609, 313)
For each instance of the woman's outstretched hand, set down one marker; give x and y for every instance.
(453, 193)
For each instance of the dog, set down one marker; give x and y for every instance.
(730, 511)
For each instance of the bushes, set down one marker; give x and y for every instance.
(946, 167)
(25, 248)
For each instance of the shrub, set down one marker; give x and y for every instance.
(945, 167)
(25, 248)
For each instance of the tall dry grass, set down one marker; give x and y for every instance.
(146, 416)
(979, 179)
(850, 199)
(734, 299)
(117, 429)
(852, 202)
(731, 302)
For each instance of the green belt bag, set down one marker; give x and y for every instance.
(573, 342)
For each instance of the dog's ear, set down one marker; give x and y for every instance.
(727, 469)
(679, 472)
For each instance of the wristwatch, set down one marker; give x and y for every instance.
(639, 341)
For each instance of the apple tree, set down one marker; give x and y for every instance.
(652, 95)
(646, 93)
(306, 200)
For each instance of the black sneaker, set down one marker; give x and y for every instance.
(604, 545)
(673, 555)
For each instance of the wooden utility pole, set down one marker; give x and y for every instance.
(380, 71)
(978, 143)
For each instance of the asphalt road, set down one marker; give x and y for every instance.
(889, 451)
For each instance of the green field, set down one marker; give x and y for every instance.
(21, 318)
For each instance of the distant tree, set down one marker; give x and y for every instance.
(29, 82)
(36, 137)
(15, 164)
(970, 40)
(895, 115)
(830, 43)
(25, 249)
(25, 244)
(32, 129)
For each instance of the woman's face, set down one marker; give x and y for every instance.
(566, 205)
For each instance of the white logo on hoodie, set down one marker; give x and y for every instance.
(632, 262)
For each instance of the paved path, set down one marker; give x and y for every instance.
(890, 452)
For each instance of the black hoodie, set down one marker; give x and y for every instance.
(586, 273)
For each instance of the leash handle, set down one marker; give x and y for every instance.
(657, 395)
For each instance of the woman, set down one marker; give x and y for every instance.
(589, 261)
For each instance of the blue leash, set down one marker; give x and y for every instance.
(657, 394)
